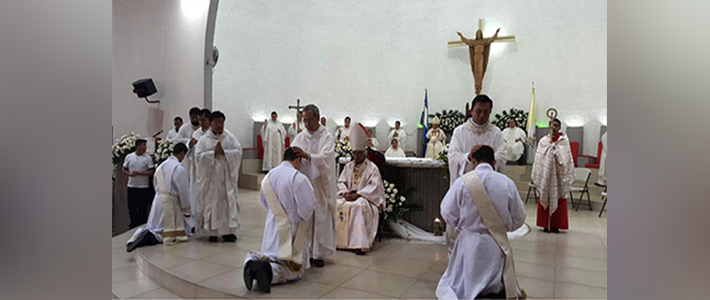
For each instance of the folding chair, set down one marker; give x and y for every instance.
(581, 175)
(531, 186)
(603, 205)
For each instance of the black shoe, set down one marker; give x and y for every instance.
(213, 239)
(360, 252)
(229, 238)
(264, 275)
(132, 246)
(249, 274)
(545, 230)
(318, 263)
(555, 230)
(192, 230)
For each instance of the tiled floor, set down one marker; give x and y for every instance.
(568, 265)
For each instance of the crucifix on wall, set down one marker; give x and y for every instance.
(478, 51)
(298, 110)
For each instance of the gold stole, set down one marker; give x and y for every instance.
(495, 227)
(290, 250)
(173, 227)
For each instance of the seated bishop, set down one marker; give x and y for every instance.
(361, 195)
(166, 223)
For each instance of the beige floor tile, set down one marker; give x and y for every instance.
(591, 242)
(537, 288)
(584, 277)
(231, 283)
(407, 267)
(440, 266)
(576, 291)
(198, 249)
(587, 252)
(130, 273)
(129, 289)
(160, 293)
(537, 271)
(233, 258)
(432, 275)
(197, 271)
(166, 261)
(331, 274)
(292, 290)
(582, 263)
(120, 258)
(539, 246)
(422, 289)
(380, 283)
(250, 243)
(534, 257)
(350, 259)
(344, 293)
(422, 252)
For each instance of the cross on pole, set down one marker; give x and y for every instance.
(298, 109)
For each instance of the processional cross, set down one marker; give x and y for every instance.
(478, 50)
(298, 110)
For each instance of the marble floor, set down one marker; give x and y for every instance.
(568, 265)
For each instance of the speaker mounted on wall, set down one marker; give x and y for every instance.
(144, 88)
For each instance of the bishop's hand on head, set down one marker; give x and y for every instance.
(301, 153)
(473, 150)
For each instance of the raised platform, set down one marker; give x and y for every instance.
(250, 174)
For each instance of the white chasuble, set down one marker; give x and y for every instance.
(553, 171)
(437, 139)
(515, 148)
(468, 135)
(401, 137)
(293, 131)
(392, 152)
(172, 194)
(483, 205)
(320, 170)
(273, 141)
(217, 206)
(357, 220)
(343, 132)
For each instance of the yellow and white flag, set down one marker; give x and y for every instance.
(531, 126)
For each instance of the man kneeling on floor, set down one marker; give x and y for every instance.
(483, 205)
(166, 222)
(288, 196)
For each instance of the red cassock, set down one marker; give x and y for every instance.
(558, 220)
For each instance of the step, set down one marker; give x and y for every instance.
(251, 165)
(251, 181)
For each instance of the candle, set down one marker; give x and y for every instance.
(438, 227)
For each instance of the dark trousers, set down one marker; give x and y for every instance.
(139, 201)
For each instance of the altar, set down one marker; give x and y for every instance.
(428, 181)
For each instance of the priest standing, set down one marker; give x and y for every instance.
(205, 125)
(273, 141)
(372, 142)
(172, 197)
(514, 137)
(218, 155)
(344, 132)
(437, 139)
(293, 131)
(288, 196)
(553, 175)
(484, 205)
(177, 122)
(316, 146)
(399, 134)
(361, 195)
(189, 161)
(184, 135)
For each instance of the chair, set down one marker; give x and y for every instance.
(574, 148)
(581, 175)
(259, 147)
(531, 186)
(599, 157)
(287, 142)
(603, 205)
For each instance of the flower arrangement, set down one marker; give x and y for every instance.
(520, 117)
(450, 119)
(165, 149)
(394, 203)
(342, 149)
(444, 156)
(123, 146)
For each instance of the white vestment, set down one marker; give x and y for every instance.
(176, 193)
(343, 132)
(171, 134)
(437, 139)
(477, 262)
(464, 138)
(515, 149)
(217, 205)
(273, 140)
(293, 132)
(295, 195)
(356, 222)
(185, 133)
(392, 152)
(602, 162)
(320, 169)
(375, 143)
(401, 137)
(553, 171)
(184, 136)
(190, 166)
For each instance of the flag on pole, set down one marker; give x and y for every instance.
(423, 120)
(531, 126)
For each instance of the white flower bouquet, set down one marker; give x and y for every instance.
(449, 120)
(394, 203)
(342, 149)
(520, 117)
(165, 149)
(123, 146)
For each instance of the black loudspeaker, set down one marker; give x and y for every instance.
(144, 87)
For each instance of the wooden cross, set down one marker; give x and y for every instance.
(298, 109)
(500, 39)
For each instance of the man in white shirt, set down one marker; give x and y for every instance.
(184, 135)
(344, 132)
(166, 223)
(372, 142)
(483, 205)
(288, 196)
(177, 122)
(399, 134)
(138, 166)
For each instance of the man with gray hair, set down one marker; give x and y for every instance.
(317, 149)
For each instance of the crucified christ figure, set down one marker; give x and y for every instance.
(478, 51)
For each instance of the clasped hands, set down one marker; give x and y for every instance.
(351, 196)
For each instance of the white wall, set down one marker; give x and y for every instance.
(163, 40)
(372, 59)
